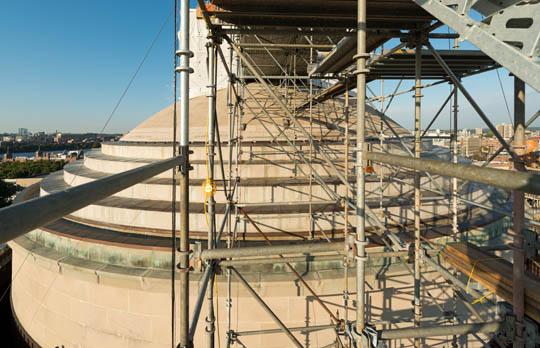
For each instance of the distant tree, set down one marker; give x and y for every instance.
(28, 169)
(7, 191)
(489, 134)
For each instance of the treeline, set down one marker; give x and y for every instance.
(25, 147)
(7, 191)
(28, 169)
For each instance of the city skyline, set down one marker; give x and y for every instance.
(80, 74)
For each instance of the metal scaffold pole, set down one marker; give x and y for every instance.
(266, 308)
(518, 209)
(174, 183)
(454, 190)
(454, 149)
(209, 187)
(184, 70)
(361, 259)
(417, 193)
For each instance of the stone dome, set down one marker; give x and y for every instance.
(105, 268)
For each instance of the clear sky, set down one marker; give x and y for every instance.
(64, 64)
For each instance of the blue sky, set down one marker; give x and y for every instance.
(65, 63)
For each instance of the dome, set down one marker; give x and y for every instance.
(158, 127)
(105, 268)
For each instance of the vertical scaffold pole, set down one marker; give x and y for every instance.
(183, 266)
(174, 183)
(210, 186)
(417, 151)
(455, 227)
(361, 71)
(346, 205)
(518, 209)
(454, 139)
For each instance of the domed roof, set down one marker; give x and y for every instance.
(257, 108)
(158, 128)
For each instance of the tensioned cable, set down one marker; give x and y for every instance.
(109, 118)
(137, 71)
(504, 96)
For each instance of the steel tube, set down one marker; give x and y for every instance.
(454, 280)
(278, 260)
(445, 330)
(360, 240)
(521, 181)
(285, 45)
(417, 192)
(206, 278)
(454, 150)
(209, 196)
(438, 113)
(266, 308)
(454, 202)
(183, 266)
(302, 329)
(518, 209)
(174, 183)
(469, 98)
(18, 219)
(306, 259)
(501, 148)
(271, 250)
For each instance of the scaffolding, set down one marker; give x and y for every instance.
(295, 66)
(282, 81)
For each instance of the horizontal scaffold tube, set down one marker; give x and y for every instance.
(506, 179)
(272, 250)
(306, 259)
(441, 330)
(24, 217)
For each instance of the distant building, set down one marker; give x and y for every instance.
(505, 130)
(23, 132)
(490, 145)
(479, 132)
(39, 153)
(58, 138)
(472, 146)
(464, 133)
(439, 138)
(8, 155)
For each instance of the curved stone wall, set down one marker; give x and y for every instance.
(100, 276)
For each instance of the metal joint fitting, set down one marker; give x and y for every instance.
(341, 326)
(184, 253)
(185, 167)
(362, 71)
(188, 53)
(189, 345)
(361, 242)
(182, 69)
(232, 336)
(211, 327)
(183, 269)
(197, 262)
(361, 55)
